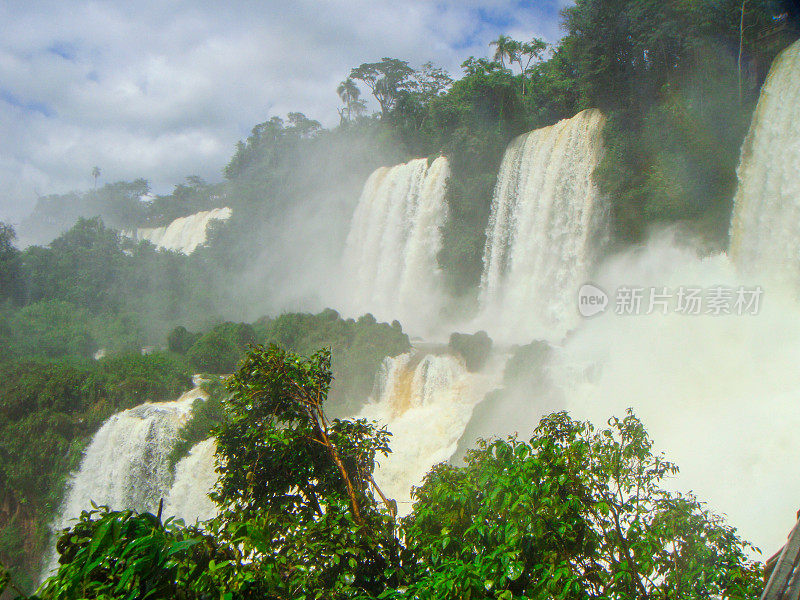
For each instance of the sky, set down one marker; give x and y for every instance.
(163, 90)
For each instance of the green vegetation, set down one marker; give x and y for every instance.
(358, 349)
(677, 82)
(51, 391)
(574, 513)
(218, 350)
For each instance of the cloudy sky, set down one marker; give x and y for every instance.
(164, 89)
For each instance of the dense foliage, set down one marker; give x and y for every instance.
(358, 348)
(574, 513)
(99, 287)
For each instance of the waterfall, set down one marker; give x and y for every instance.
(546, 225)
(126, 464)
(766, 216)
(425, 401)
(390, 266)
(195, 477)
(184, 234)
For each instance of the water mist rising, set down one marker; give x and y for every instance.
(766, 218)
(184, 234)
(546, 225)
(719, 394)
(390, 267)
(426, 401)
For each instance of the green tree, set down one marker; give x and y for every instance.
(574, 513)
(10, 276)
(218, 350)
(527, 53)
(349, 93)
(95, 175)
(387, 79)
(504, 49)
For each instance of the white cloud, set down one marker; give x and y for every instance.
(162, 90)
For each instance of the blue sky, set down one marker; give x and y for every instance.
(162, 90)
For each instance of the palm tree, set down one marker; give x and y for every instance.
(348, 91)
(95, 174)
(505, 48)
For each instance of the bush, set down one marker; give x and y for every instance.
(220, 349)
(358, 349)
(180, 340)
(474, 348)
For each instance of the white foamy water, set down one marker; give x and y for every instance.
(126, 464)
(184, 234)
(719, 394)
(766, 222)
(390, 267)
(546, 225)
(426, 402)
(195, 477)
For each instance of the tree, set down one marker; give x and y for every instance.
(386, 79)
(302, 125)
(432, 81)
(10, 275)
(575, 513)
(504, 49)
(349, 93)
(526, 53)
(95, 175)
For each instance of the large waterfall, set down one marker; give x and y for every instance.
(426, 401)
(184, 234)
(547, 222)
(126, 464)
(390, 266)
(766, 219)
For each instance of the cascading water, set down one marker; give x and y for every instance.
(390, 267)
(195, 477)
(766, 218)
(184, 234)
(126, 464)
(546, 225)
(426, 402)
